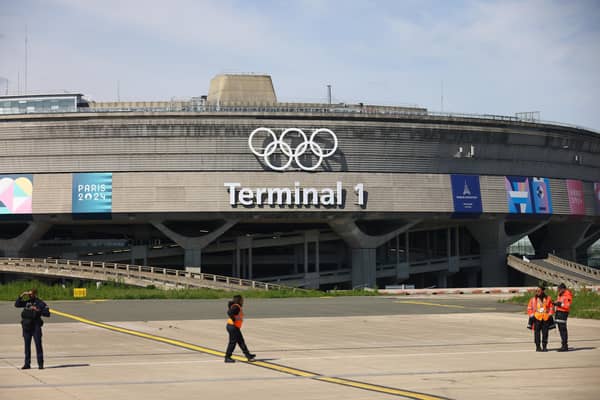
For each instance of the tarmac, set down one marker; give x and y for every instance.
(385, 347)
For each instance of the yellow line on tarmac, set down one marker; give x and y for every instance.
(264, 364)
(429, 304)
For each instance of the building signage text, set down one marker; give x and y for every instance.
(292, 196)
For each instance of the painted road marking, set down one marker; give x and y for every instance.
(426, 303)
(264, 364)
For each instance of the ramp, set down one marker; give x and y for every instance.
(556, 270)
(135, 275)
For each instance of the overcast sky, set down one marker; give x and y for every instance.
(493, 57)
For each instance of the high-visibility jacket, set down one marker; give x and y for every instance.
(566, 298)
(541, 309)
(236, 319)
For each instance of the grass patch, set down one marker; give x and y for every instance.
(586, 304)
(118, 291)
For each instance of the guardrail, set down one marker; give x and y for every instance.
(316, 108)
(132, 274)
(573, 266)
(382, 270)
(544, 274)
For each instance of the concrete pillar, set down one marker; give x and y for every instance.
(472, 277)
(18, 246)
(140, 253)
(364, 259)
(364, 268)
(494, 271)
(193, 257)
(560, 239)
(442, 279)
(243, 257)
(493, 241)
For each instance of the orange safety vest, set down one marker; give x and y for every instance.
(238, 319)
(566, 299)
(540, 309)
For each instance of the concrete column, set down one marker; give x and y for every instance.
(140, 252)
(442, 279)
(364, 268)
(18, 246)
(250, 269)
(364, 259)
(494, 271)
(193, 257)
(472, 277)
(493, 242)
(193, 245)
(561, 239)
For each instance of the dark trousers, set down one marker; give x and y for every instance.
(540, 329)
(36, 334)
(235, 337)
(561, 321)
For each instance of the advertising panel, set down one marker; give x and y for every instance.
(597, 197)
(518, 194)
(16, 194)
(575, 191)
(92, 192)
(466, 194)
(540, 191)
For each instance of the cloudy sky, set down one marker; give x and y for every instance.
(490, 57)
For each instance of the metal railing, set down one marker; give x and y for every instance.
(544, 274)
(300, 108)
(573, 266)
(133, 274)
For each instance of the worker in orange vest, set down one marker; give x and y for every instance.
(562, 307)
(234, 328)
(540, 310)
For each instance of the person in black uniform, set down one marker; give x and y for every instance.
(234, 328)
(31, 322)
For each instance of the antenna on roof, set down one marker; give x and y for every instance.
(26, 63)
(329, 94)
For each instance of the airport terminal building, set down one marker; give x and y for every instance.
(314, 195)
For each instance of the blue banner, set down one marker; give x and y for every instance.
(92, 192)
(540, 191)
(466, 193)
(518, 194)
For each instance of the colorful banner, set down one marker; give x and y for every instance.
(16, 194)
(466, 193)
(92, 192)
(518, 194)
(576, 202)
(540, 192)
(597, 197)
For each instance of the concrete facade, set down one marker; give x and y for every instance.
(171, 205)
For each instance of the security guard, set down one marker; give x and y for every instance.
(234, 328)
(31, 322)
(540, 311)
(563, 306)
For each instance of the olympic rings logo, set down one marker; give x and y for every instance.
(306, 147)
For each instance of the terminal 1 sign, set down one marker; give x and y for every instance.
(292, 196)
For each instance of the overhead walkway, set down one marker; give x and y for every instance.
(556, 270)
(135, 275)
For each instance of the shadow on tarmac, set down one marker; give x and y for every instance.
(68, 366)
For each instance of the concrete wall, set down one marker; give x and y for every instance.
(160, 192)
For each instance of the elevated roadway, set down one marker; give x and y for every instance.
(556, 270)
(135, 275)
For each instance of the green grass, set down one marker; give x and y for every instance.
(115, 291)
(586, 304)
